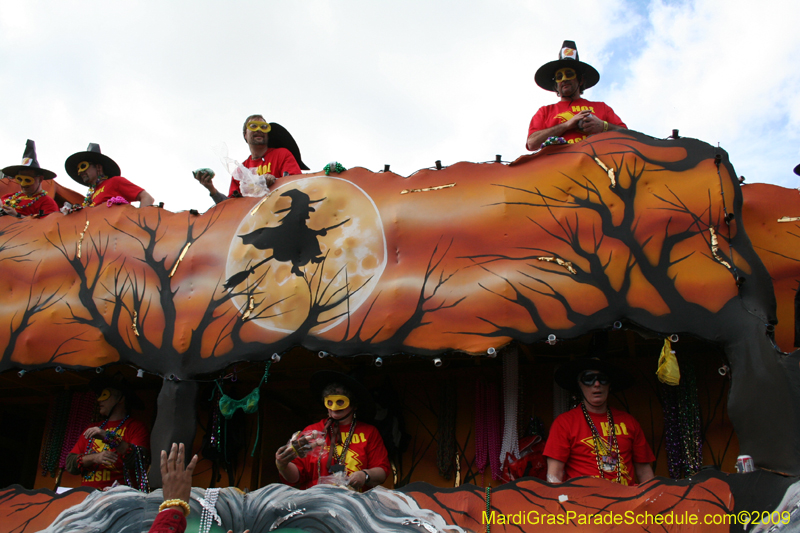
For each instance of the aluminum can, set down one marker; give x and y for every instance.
(744, 463)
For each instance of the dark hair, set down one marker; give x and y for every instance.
(333, 388)
(248, 119)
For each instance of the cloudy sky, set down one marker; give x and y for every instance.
(164, 86)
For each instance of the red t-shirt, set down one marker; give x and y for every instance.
(132, 431)
(366, 451)
(558, 113)
(570, 441)
(276, 161)
(45, 204)
(116, 186)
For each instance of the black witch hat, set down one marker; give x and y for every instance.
(567, 58)
(279, 137)
(29, 162)
(91, 155)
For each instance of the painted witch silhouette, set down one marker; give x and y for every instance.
(292, 240)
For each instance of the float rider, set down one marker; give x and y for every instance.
(273, 154)
(573, 118)
(358, 454)
(102, 175)
(106, 453)
(594, 439)
(31, 200)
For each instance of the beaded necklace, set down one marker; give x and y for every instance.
(139, 479)
(613, 446)
(87, 201)
(209, 512)
(19, 200)
(336, 460)
(89, 475)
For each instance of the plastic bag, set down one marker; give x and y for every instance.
(250, 183)
(668, 371)
(307, 444)
(338, 479)
(531, 462)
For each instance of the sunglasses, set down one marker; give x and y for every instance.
(23, 180)
(588, 378)
(259, 126)
(83, 166)
(565, 74)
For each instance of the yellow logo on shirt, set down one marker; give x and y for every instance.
(98, 191)
(353, 462)
(566, 116)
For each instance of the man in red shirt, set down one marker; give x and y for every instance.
(357, 452)
(108, 452)
(102, 175)
(273, 154)
(31, 200)
(572, 118)
(594, 439)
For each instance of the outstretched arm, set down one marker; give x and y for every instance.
(205, 177)
(177, 491)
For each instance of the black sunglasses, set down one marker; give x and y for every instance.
(588, 378)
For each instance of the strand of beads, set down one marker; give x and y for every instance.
(510, 443)
(141, 470)
(54, 435)
(690, 413)
(81, 411)
(215, 428)
(495, 434)
(19, 200)
(488, 507)
(335, 167)
(209, 513)
(487, 428)
(553, 141)
(480, 426)
(139, 479)
(87, 200)
(446, 430)
(669, 403)
(683, 425)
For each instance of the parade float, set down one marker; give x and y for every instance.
(454, 293)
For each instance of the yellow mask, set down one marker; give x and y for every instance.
(565, 74)
(23, 180)
(337, 402)
(259, 126)
(104, 395)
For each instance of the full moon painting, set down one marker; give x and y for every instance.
(332, 248)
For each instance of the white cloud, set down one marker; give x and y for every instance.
(720, 71)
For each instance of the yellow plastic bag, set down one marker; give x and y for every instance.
(668, 371)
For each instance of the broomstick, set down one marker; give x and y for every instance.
(239, 277)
